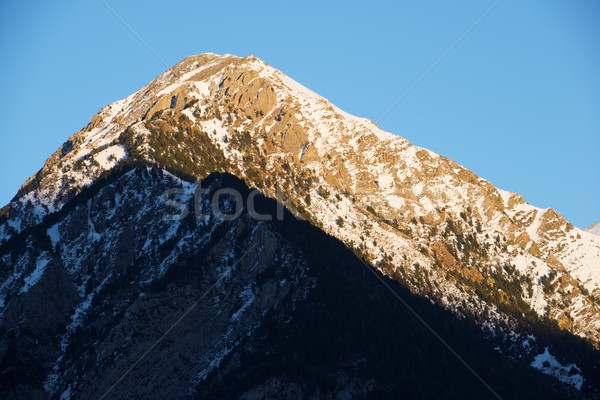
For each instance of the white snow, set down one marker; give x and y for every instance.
(506, 195)
(538, 301)
(54, 234)
(110, 156)
(333, 131)
(295, 86)
(91, 228)
(184, 78)
(36, 275)
(247, 296)
(547, 364)
(53, 378)
(581, 258)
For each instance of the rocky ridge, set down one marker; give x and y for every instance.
(419, 217)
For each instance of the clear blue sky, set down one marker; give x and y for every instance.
(517, 101)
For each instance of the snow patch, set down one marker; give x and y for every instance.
(109, 157)
(547, 364)
(95, 236)
(54, 235)
(36, 275)
(247, 296)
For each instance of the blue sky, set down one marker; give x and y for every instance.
(517, 100)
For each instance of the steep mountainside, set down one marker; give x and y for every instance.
(524, 275)
(271, 309)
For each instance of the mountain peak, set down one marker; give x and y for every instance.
(418, 216)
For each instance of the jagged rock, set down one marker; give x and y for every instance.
(419, 218)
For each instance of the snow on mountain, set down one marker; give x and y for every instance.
(415, 215)
(124, 303)
(548, 364)
(595, 229)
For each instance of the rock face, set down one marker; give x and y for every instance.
(84, 232)
(128, 304)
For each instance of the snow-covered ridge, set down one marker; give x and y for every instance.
(371, 189)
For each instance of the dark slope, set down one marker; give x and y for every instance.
(273, 309)
(354, 337)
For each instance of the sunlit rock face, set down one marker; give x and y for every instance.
(85, 244)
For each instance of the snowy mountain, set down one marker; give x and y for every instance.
(87, 231)
(595, 229)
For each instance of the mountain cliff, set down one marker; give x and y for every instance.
(528, 279)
